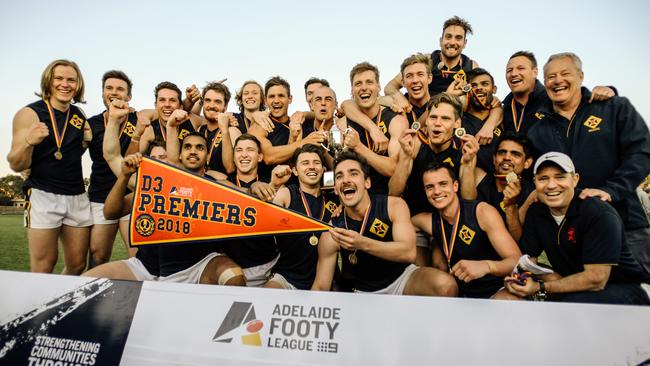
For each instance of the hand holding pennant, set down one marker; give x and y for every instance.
(171, 205)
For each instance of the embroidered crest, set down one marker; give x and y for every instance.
(129, 129)
(182, 134)
(379, 228)
(592, 123)
(330, 206)
(76, 122)
(466, 235)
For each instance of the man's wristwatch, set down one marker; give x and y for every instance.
(541, 294)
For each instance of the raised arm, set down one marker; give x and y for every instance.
(117, 204)
(173, 144)
(117, 110)
(409, 146)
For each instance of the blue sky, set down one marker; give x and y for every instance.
(199, 41)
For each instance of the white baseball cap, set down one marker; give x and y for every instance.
(563, 161)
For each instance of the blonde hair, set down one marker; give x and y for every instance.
(48, 75)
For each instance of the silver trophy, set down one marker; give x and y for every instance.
(335, 139)
(335, 144)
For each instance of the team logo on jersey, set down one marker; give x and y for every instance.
(240, 321)
(144, 225)
(330, 206)
(460, 75)
(379, 228)
(76, 122)
(497, 131)
(539, 115)
(571, 235)
(129, 129)
(382, 127)
(503, 206)
(217, 139)
(182, 134)
(466, 235)
(449, 162)
(592, 123)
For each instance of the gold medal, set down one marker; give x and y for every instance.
(58, 137)
(313, 240)
(353, 257)
(511, 177)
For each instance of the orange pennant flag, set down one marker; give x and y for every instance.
(171, 205)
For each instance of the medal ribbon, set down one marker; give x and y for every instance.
(306, 205)
(449, 71)
(445, 246)
(488, 107)
(239, 182)
(163, 130)
(363, 228)
(278, 122)
(213, 143)
(425, 140)
(58, 137)
(377, 120)
(365, 219)
(514, 115)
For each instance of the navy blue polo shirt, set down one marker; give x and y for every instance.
(590, 233)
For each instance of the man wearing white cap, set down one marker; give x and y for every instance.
(583, 239)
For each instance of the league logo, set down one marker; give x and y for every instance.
(379, 228)
(144, 225)
(539, 115)
(466, 235)
(240, 321)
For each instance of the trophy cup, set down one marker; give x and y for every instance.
(335, 139)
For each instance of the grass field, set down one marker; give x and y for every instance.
(14, 254)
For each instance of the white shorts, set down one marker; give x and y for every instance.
(189, 275)
(397, 287)
(258, 275)
(97, 210)
(126, 217)
(280, 280)
(47, 210)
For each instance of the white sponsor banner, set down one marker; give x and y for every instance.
(184, 324)
(176, 324)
